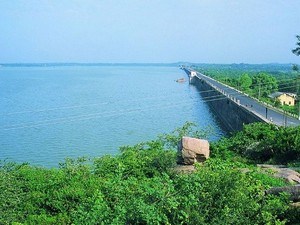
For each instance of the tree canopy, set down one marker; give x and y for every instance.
(296, 51)
(245, 82)
(264, 84)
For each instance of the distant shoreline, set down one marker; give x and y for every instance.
(86, 64)
(176, 64)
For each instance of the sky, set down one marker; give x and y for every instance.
(149, 31)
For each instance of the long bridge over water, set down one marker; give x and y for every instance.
(235, 108)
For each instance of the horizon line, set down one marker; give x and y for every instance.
(138, 63)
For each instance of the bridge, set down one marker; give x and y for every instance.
(235, 108)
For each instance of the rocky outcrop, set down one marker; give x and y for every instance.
(191, 150)
(283, 172)
(293, 191)
(289, 175)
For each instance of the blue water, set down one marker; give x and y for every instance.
(50, 113)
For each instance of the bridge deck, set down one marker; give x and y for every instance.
(269, 114)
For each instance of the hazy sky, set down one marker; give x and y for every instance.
(209, 31)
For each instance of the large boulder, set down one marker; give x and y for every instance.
(191, 150)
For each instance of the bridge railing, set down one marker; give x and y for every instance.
(229, 96)
(259, 101)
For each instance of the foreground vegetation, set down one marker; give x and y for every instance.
(140, 185)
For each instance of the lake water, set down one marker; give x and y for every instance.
(50, 113)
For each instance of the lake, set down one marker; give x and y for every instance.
(53, 112)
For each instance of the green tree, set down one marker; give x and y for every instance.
(245, 82)
(295, 68)
(296, 51)
(264, 84)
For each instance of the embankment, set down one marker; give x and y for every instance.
(230, 113)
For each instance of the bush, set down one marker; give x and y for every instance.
(267, 143)
(139, 186)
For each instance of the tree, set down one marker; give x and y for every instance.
(296, 51)
(295, 68)
(245, 82)
(264, 84)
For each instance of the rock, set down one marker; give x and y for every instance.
(191, 150)
(293, 191)
(185, 169)
(289, 175)
(245, 170)
(269, 166)
(283, 172)
(295, 204)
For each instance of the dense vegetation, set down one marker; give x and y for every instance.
(258, 81)
(265, 143)
(140, 185)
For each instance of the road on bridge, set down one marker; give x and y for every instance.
(251, 104)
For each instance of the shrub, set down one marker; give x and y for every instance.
(139, 186)
(265, 142)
